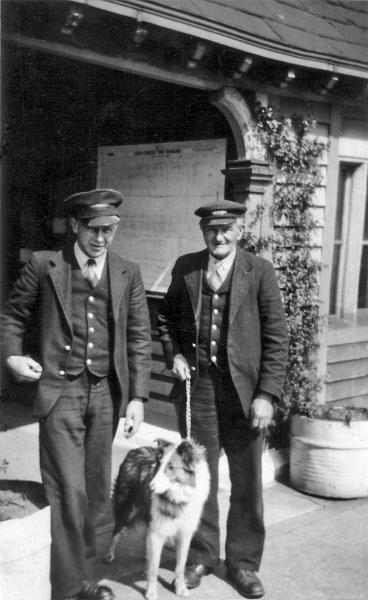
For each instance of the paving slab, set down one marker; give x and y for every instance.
(320, 558)
(19, 446)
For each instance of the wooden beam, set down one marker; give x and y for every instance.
(126, 64)
(196, 79)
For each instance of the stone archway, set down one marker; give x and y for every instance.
(239, 116)
(236, 111)
(250, 174)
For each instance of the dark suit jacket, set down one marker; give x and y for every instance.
(45, 285)
(257, 341)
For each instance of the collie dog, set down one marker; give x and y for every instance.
(166, 486)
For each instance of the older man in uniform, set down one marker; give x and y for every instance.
(93, 367)
(222, 325)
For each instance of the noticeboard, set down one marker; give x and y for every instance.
(162, 184)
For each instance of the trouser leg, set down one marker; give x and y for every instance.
(245, 525)
(205, 545)
(66, 438)
(98, 452)
(243, 446)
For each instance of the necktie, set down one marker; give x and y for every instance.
(215, 279)
(90, 272)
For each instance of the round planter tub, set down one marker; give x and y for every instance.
(25, 552)
(329, 458)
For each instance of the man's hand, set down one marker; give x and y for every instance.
(24, 368)
(133, 417)
(181, 368)
(261, 411)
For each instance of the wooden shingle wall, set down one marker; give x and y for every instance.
(347, 368)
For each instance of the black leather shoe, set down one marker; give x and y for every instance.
(193, 575)
(246, 582)
(93, 591)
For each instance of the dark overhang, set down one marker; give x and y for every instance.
(207, 44)
(329, 35)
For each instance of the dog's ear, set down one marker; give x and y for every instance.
(191, 452)
(161, 443)
(162, 446)
(199, 452)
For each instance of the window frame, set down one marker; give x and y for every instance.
(352, 241)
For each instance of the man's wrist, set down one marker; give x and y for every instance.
(265, 396)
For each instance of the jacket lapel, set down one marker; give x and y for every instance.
(240, 282)
(193, 282)
(118, 282)
(60, 274)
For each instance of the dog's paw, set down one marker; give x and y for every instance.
(109, 557)
(151, 594)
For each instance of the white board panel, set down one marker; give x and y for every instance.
(353, 142)
(162, 184)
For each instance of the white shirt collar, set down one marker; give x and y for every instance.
(82, 259)
(223, 266)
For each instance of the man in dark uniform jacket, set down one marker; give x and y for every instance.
(94, 367)
(222, 325)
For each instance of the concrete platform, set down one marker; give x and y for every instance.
(316, 549)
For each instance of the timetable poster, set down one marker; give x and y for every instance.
(162, 185)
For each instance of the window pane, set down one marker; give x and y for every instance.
(334, 279)
(363, 280)
(363, 274)
(365, 234)
(340, 202)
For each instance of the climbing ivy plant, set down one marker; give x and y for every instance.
(296, 153)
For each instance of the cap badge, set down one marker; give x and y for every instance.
(99, 206)
(219, 212)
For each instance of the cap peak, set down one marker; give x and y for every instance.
(220, 212)
(94, 204)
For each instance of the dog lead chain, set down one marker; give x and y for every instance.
(188, 415)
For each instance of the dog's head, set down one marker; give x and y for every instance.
(176, 475)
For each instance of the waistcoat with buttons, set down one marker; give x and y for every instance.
(91, 325)
(214, 324)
